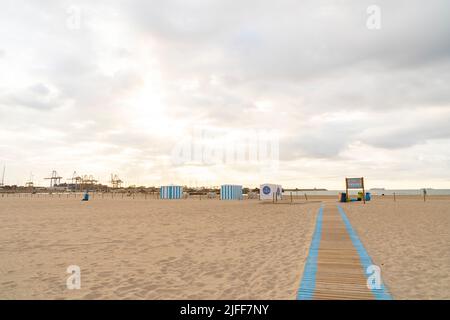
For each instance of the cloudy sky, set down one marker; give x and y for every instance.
(125, 87)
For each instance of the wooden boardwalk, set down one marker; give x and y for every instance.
(334, 268)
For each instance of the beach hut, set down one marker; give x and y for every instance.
(230, 192)
(171, 192)
(270, 191)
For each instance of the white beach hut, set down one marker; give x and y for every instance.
(270, 191)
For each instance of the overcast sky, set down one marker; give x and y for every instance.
(119, 86)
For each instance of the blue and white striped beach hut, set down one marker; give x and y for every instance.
(230, 192)
(171, 192)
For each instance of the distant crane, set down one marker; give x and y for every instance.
(54, 179)
(87, 181)
(30, 183)
(115, 181)
(75, 180)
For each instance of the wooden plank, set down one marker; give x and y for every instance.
(340, 274)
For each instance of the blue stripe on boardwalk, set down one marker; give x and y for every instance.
(366, 261)
(308, 283)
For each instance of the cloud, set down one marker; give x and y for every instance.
(410, 129)
(137, 77)
(38, 97)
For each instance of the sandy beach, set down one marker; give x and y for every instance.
(153, 249)
(410, 240)
(208, 249)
